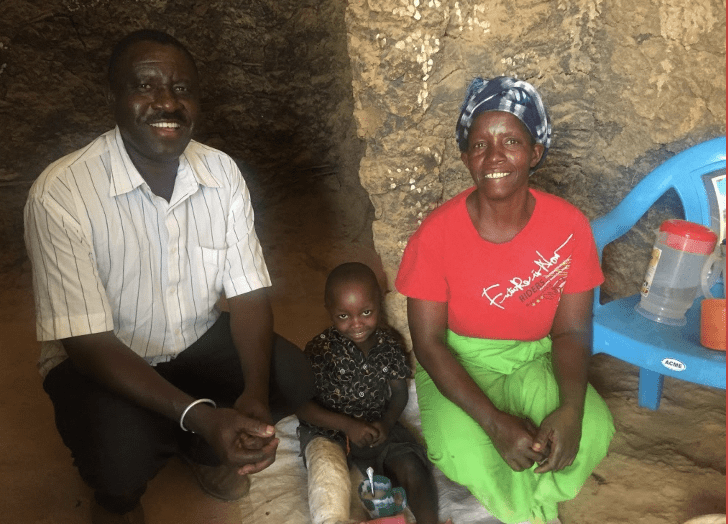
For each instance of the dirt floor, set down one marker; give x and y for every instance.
(664, 467)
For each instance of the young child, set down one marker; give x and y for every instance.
(360, 371)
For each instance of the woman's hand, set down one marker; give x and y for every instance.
(513, 437)
(571, 336)
(561, 430)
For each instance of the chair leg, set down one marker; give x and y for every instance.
(650, 389)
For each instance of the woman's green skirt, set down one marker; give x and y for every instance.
(518, 378)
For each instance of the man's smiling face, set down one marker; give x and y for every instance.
(155, 98)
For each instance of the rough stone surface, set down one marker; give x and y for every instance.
(628, 84)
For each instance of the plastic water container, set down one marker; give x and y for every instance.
(672, 281)
(713, 271)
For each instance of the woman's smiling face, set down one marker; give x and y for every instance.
(500, 155)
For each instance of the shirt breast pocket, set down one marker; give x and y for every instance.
(213, 268)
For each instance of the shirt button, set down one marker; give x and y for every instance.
(342, 371)
(385, 368)
(361, 393)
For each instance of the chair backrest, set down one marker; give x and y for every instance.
(686, 174)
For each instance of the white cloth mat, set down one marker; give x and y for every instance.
(279, 494)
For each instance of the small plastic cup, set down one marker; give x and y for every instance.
(712, 323)
(386, 500)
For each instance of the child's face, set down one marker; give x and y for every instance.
(355, 313)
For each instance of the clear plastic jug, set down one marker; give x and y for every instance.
(673, 278)
(713, 271)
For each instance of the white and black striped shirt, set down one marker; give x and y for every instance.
(108, 254)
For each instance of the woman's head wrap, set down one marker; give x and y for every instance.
(512, 96)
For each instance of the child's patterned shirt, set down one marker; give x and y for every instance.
(351, 383)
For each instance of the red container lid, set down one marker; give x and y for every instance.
(688, 236)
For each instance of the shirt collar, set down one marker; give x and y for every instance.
(125, 178)
(350, 345)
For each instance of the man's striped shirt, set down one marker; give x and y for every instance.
(108, 254)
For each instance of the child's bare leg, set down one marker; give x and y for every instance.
(417, 480)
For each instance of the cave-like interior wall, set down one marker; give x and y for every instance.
(628, 83)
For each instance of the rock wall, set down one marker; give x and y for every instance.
(276, 93)
(627, 83)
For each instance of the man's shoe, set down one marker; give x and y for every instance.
(222, 482)
(101, 516)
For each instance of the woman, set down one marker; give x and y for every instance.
(500, 285)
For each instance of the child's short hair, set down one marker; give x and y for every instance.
(349, 272)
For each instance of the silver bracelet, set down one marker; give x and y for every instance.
(193, 404)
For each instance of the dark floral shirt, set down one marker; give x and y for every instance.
(349, 382)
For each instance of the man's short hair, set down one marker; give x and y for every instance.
(142, 35)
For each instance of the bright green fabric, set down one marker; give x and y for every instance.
(518, 378)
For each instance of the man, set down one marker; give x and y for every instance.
(133, 240)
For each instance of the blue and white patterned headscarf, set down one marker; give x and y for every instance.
(512, 96)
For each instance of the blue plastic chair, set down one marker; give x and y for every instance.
(659, 349)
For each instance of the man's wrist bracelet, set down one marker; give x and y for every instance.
(193, 404)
